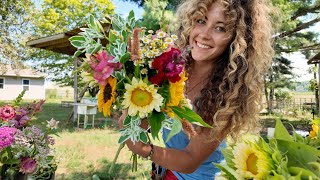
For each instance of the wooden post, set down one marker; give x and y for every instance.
(318, 88)
(75, 89)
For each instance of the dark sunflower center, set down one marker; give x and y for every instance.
(107, 94)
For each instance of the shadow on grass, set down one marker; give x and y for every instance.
(120, 171)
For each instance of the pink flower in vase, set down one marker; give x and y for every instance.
(6, 136)
(7, 112)
(28, 165)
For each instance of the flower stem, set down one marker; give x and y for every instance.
(116, 157)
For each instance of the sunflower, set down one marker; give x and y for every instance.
(107, 95)
(141, 99)
(251, 162)
(315, 130)
(176, 91)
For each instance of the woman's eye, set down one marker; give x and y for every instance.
(200, 21)
(220, 29)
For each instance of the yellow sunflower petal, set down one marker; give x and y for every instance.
(107, 96)
(177, 91)
(141, 99)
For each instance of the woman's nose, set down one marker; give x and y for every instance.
(205, 32)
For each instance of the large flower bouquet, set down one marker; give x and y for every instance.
(283, 156)
(138, 70)
(24, 148)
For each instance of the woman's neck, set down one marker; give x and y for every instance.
(200, 69)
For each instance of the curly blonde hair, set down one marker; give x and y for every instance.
(231, 100)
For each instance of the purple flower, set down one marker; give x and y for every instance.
(6, 136)
(28, 165)
(21, 118)
(7, 112)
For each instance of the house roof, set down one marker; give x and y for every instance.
(315, 59)
(8, 70)
(60, 42)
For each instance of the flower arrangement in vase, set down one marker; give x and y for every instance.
(25, 149)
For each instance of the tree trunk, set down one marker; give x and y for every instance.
(266, 94)
(316, 89)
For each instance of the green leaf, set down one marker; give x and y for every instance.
(77, 53)
(131, 15)
(304, 173)
(125, 58)
(77, 38)
(299, 155)
(92, 21)
(175, 129)
(122, 139)
(228, 155)
(77, 44)
(112, 37)
(156, 119)
(281, 132)
(189, 115)
(144, 137)
(127, 121)
(230, 173)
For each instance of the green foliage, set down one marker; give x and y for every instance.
(15, 16)
(283, 95)
(156, 16)
(58, 16)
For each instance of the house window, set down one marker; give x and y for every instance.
(1, 83)
(25, 84)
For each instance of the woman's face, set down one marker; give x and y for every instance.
(209, 38)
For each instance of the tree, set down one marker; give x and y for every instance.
(58, 16)
(171, 4)
(15, 24)
(293, 35)
(156, 17)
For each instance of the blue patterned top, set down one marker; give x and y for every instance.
(206, 170)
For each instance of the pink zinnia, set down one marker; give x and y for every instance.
(6, 136)
(104, 68)
(28, 165)
(7, 112)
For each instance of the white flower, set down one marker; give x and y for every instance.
(52, 124)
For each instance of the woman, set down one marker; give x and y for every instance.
(231, 49)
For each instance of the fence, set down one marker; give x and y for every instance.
(292, 104)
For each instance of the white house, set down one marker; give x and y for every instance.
(13, 81)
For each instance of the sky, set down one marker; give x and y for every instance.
(124, 8)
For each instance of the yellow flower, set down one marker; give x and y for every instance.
(176, 91)
(141, 99)
(251, 162)
(315, 131)
(107, 96)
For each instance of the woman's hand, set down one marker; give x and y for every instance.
(122, 118)
(144, 122)
(138, 147)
